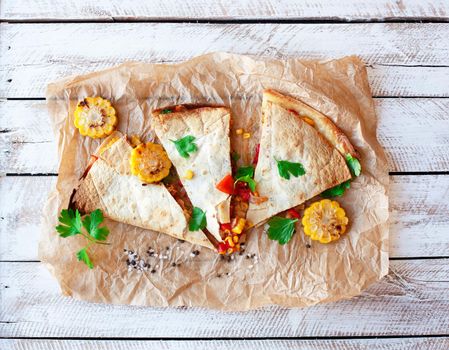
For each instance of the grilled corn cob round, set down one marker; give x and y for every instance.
(95, 117)
(149, 162)
(324, 221)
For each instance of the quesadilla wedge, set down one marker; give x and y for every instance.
(296, 161)
(108, 184)
(196, 139)
(322, 123)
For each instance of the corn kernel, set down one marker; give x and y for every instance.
(240, 226)
(235, 239)
(239, 131)
(189, 175)
(237, 247)
(229, 241)
(246, 135)
(230, 251)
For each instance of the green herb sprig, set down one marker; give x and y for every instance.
(71, 224)
(353, 165)
(339, 190)
(286, 168)
(281, 229)
(198, 220)
(185, 146)
(244, 171)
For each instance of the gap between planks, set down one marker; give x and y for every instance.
(406, 58)
(418, 216)
(344, 10)
(412, 292)
(379, 343)
(413, 133)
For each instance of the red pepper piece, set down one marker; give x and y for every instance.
(225, 227)
(293, 214)
(226, 185)
(222, 248)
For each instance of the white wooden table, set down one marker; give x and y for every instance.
(406, 47)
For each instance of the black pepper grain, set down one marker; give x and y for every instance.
(181, 241)
(153, 271)
(196, 252)
(173, 264)
(308, 246)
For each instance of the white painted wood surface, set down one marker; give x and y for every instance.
(418, 223)
(412, 131)
(272, 344)
(403, 59)
(107, 10)
(413, 299)
(35, 54)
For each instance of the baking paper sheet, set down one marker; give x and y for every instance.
(300, 273)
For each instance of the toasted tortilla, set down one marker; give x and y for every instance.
(323, 124)
(210, 163)
(286, 136)
(108, 185)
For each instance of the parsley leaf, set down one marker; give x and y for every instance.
(354, 165)
(244, 171)
(70, 223)
(337, 191)
(166, 111)
(91, 224)
(198, 220)
(286, 168)
(281, 229)
(251, 183)
(83, 256)
(185, 145)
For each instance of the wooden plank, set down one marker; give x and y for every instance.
(427, 343)
(412, 300)
(34, 54)
(419, 209)
(412, 131)
(223, 10)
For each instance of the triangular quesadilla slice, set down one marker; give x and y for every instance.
(108, 184)
(196, 140)
(322, 123)
(296, 162)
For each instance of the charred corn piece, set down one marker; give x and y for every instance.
(324, 221)
(149, 162)
(95, 117)
(240, 226)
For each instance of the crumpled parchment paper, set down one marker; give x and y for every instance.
(298, 274)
